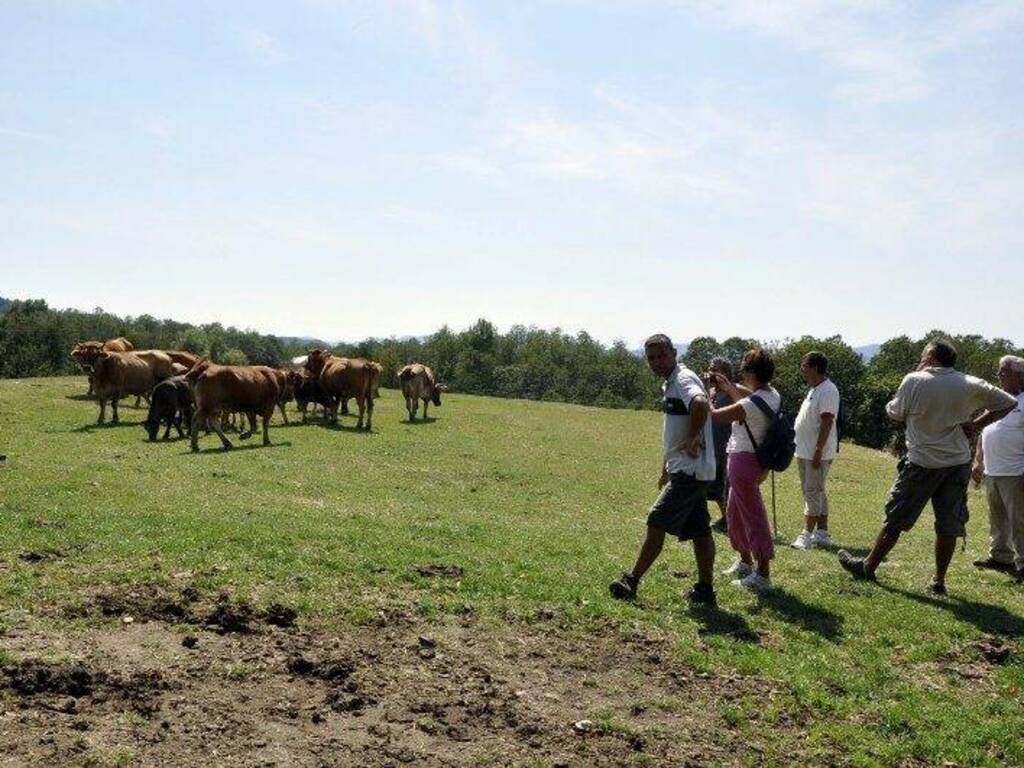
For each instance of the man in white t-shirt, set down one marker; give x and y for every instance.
(817, 442)
(1000, 462)
(687, 468)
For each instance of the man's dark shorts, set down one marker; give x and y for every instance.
(682, 508)
(945, 488)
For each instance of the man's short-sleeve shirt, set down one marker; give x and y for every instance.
(679, 390)
(820, 400)
(934, 403)
(1002, 444)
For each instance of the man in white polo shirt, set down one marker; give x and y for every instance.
(817, 442)
(1000, 461)
(687, 467)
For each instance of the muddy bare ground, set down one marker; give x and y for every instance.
(166, 679)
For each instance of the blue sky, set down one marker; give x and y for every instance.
(346, 169)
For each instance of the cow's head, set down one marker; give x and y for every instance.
(85, 353)
(152, 426)
(196, 371)
(438, 389)
(316, 360)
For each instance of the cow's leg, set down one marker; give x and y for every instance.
(249, 416)
(344, 406)
(103, 411)
(369, 411)
(268, 414)
(91, 391)
(284, 413)
(215, 423)
(187, 416)
(425, 404)
(167, 432)
(113, 407)
(199, 418)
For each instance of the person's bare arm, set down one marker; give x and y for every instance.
(975, 426)
(729, 414)
(694, 441)
(827, 422)
(733, 390)
(978, 470)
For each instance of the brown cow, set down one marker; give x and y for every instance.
(118, 374)
(85, 354)
(417, 382)
(343, 377)
(253, 389)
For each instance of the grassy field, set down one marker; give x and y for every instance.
(540, 505)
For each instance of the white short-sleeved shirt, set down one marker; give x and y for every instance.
(820, 400)
(679, 389)
(756, 420)
(933, 403)
(1002, 444)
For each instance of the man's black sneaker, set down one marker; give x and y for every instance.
(993, 565)
(936, 587)
(855, 566)
(702, 596)
(623, 588)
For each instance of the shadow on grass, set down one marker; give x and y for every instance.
(106, 425)
(791, 608)
(339, 427)
(236, 448)
(417, 422)
(991, 619)
(855, 551)
(80, 397)
(715, 621)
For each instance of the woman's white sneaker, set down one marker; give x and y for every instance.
(739, 569)
(755, 582)
(805, 540)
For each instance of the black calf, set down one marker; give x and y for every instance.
(171, 403)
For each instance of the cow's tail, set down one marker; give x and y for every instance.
(377, 371)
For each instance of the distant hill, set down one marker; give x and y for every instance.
(868, 351)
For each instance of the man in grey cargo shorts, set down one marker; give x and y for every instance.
(937, 403)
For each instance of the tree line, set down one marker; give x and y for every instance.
(525, 362)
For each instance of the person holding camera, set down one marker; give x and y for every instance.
(749, 530)
(718, 491)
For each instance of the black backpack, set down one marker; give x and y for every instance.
(779, 444)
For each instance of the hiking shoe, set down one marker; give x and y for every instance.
(936, 587)
(623, 588)
(702, 595)
(855, 566)
(739, 569)
(993, 565)
(822, 538)
(804, 541)
(755, 582)
(720, 525)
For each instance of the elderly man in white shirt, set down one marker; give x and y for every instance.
(938, 405)
(999, 461)
(817, 443)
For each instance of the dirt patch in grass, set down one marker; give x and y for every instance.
(403, 693)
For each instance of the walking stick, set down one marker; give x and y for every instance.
(775, 521)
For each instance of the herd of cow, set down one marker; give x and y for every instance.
(190, 393)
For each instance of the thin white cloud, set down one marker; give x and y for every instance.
(888, 50)
(264, 45)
